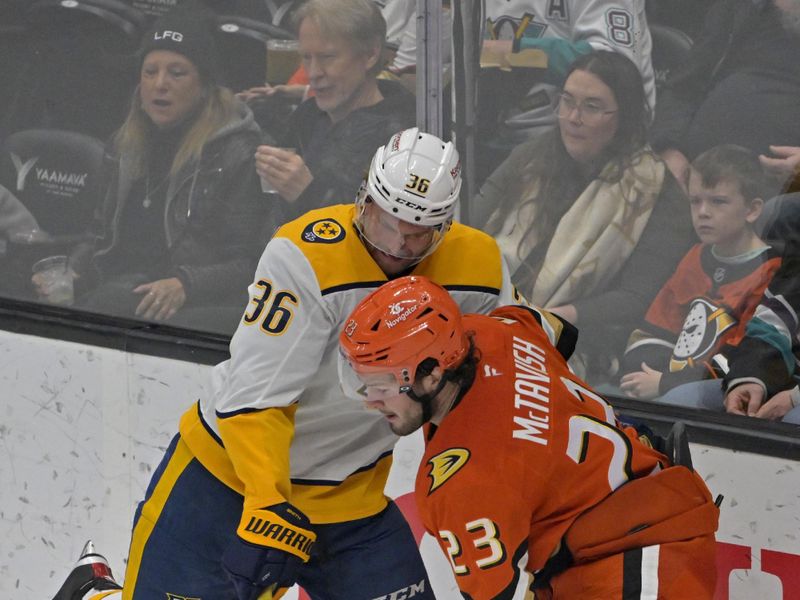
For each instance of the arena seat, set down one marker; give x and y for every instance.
(671, 48)
(129, 20)
(80, 69)
(56, 175)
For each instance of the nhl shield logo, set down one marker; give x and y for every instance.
(324, 231)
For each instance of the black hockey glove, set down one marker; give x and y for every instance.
(271, 545)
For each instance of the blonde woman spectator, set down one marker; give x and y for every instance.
(183, 218)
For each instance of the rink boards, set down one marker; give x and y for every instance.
(82, 427)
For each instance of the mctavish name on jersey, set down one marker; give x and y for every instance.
(532, 392)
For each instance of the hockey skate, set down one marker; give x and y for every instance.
(90, 575)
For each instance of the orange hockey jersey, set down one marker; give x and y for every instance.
(528, 450)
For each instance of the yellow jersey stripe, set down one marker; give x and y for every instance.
(151, 511)
(321, 503)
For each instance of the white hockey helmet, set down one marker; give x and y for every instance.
(416, 177)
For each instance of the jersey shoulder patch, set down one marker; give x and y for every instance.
(328, 240)
(323, 231)
(446, 464)
(323, 225)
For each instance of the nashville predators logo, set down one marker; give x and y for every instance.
(446, 464)
(176, 597)
(324, 231)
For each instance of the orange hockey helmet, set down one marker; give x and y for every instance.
(396, 328)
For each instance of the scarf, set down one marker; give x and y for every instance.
(592, 240)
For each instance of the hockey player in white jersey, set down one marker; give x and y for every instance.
(565, 29)
(276, 477)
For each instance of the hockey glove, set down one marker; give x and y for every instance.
(271, 545)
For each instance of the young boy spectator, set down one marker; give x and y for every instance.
(760, 381)
(708, 301)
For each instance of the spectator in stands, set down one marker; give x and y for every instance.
(332, 136)
(706, 304)
(401, 21)
(762, 373)
(565, 31)
(760, 379)
(402, 39)
(400, 59)
(184, 218)
(740, 85)
(588, 217)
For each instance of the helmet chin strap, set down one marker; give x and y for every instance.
(426, 400)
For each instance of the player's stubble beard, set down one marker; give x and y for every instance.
(410, 423)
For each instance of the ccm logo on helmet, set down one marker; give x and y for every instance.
(410, 204)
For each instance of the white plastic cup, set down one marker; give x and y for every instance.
(54, 280)
(266, 186)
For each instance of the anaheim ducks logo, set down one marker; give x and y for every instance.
(704, 325)
(324, 231)
(446, 464)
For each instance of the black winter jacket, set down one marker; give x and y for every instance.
(338, 154)
(739, 86)
(216, 218)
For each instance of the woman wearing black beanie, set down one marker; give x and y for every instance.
(183, 220)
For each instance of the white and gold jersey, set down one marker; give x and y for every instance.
(284, 355)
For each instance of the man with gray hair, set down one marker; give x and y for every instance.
(331, 136)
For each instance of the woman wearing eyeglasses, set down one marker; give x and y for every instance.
(588, 217)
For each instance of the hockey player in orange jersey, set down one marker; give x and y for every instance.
(529, 482)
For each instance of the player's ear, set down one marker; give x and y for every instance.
(431, 381)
